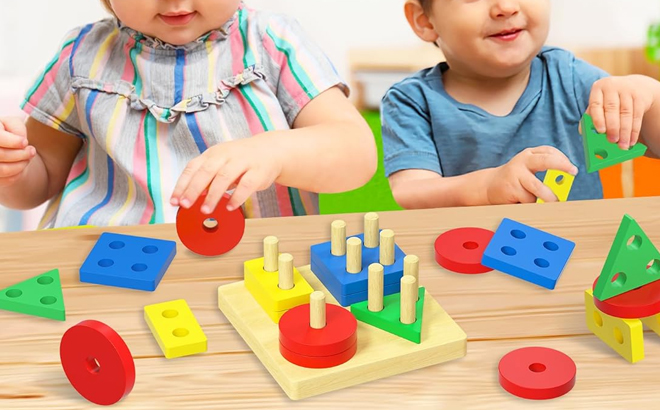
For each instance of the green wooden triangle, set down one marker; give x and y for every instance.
(38, 296)
(633, 261)
(600, 153)
(388, 319)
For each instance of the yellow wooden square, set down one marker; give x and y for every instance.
(559, 182)
(175, 328)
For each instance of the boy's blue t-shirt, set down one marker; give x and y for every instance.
(425, 128)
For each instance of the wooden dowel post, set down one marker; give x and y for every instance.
(409, 298)
(354, 255)
(387, 247)
(371, 239)
(338, 238)
(317, 310)
(376, 287)
(285, 271)
(271, 252)
(411, 266)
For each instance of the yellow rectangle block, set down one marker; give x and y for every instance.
(175, 328)
(559, 182)
(624, 336)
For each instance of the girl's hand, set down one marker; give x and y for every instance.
(15, 153)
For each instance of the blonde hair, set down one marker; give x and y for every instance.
(106, 4)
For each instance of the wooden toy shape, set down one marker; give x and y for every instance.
(97, 362)
(345, 275)
(633, 261)
(280, 288)
(560, 183)
(399, 314)
(175, 329)
(318, 335)
(38, 296)
(600, 153)
(624, 336)
(379, 354)
(634, 304)
(528, 253)
(460, 250)
(211, 234)
(537, 373)
(126, 261)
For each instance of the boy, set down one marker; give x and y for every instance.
(476, 130)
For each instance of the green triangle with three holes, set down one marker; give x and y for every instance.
(600, 153)
(38, 296)
(633, 261)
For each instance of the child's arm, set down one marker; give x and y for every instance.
(513, 182)
(32, 174)
(330, 149)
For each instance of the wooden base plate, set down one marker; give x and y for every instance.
(379, 353)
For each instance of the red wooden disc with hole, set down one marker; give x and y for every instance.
(339, 333)
(635, 304)
(215, 240)
(97, 362)
(537, 373)
(460, 250)
(318, 362)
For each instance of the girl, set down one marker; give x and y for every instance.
(140, 113)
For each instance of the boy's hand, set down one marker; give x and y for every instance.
(618, 104)
(515, 182)
(15, 153)
(251, 164)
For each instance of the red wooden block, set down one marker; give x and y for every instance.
(537, 373)
(210, 241)
(97, 362)
(460, 250)
(635, 304)
(338, 335)
(318, 362)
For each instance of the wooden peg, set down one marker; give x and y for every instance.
(271, 252)
(371, 239)
(338, 238)
(354, 255)
(411, 266)
(285, 271)
(387, 247)
(409, 291)
(317, 310)
(376, 287)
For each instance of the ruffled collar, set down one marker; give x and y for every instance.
(155, 43)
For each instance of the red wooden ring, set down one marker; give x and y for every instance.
(537, 373)
(210, 241)
(97, 362)
(338, 335)
(318, 362)
(637, 303)
(460, 250)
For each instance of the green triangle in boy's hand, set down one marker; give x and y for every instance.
(38, 296)
(599, 152)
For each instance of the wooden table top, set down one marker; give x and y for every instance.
(499, 313)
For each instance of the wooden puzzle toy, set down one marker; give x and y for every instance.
(175, 329)
(211, 234)
(460, 250)
(559, 182)
(126, 261)
(600, 153)
(318, 335)
(274, 282)
(344, 271)
(399, 314)
(528, 253)
(301, 338)
(97, 362)
(38, 296)
(637, 303)
(537, 373)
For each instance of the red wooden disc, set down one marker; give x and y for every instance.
(537, 373)
(637, 303)
(97, 362)
(460, 250)
(215, 240)
(338, 335)
(318, 362)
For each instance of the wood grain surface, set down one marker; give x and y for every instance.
(499, 313)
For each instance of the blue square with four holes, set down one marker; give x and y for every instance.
(128, 261)
(528, 253)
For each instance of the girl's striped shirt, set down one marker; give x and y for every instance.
(145, 108)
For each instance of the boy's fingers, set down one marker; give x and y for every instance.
(638, 115)
(596, 110)
(219, 186)
(537, 189)
(612, 108)
(546, 158)
(626, 114)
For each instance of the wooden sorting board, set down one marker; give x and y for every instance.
(379, 355)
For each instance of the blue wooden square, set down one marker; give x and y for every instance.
(331, 270)
(128, 261)
(528, 253)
